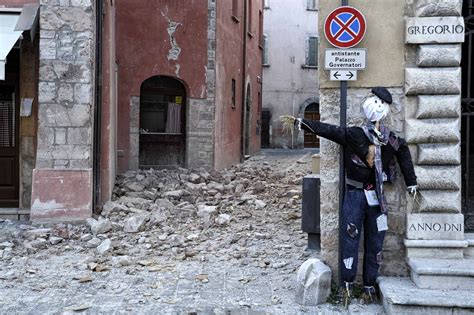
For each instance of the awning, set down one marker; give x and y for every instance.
(28, 19)
(8, 37)
(13, 22)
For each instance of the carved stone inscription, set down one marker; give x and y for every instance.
(428, 30)
(435, 226)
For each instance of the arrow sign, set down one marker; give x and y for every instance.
(343, 75)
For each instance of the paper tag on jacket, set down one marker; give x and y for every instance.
(371, 196)
(382, 224)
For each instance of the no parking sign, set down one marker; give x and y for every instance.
(345, 27)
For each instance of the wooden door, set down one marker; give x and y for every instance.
(310, 139)
(9, 148)
(265, 128)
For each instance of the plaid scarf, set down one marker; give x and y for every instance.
(378, 138)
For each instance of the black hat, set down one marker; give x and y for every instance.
(383, 94)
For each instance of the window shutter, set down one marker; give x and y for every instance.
(312, 51)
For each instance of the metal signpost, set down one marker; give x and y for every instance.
(344, 28)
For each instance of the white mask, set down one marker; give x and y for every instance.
(375, 109)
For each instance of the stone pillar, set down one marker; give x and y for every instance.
(134, 162)
(201, 113)
(62, 179)
(433, 121)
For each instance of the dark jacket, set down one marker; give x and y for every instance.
(356, 145)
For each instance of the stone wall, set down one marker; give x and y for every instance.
(433, 123)
(62, 180)
(134, 161)
(393, 264)
(200, 120)
(66, 84)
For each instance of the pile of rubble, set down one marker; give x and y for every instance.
(249, 213)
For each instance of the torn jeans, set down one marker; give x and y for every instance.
(358, 216)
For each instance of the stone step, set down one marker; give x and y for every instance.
(448, 249)
(401, 296)
(450, 274)
(469, 251)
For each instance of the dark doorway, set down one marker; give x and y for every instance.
(162, 123)
(467, 122)
(266, 117)
(9, 133)
(312, 113)
(246, 123)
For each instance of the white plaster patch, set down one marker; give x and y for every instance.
(348, 262)
(177, 70)
(46, 206)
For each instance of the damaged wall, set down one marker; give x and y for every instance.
(171, 39)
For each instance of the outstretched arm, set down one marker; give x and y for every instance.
(406, 164)
(330, 132)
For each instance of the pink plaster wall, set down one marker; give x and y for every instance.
(143, 46)
(61, 195)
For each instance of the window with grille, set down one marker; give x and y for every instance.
(7, 124)
(312, 51)
(312, 5)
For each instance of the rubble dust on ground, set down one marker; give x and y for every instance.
(171, 240)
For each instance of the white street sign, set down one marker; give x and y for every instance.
(343, 75)
(345, 59)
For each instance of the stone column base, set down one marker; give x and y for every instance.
(61, 195)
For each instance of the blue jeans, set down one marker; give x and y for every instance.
(357, 215)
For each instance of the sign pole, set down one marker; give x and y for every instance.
(342, 175)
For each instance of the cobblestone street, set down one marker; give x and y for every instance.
(241, 261)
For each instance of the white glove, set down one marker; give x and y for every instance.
(412, 189)
(297, 124)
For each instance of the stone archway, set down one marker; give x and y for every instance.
(301, 111)
(162, 125)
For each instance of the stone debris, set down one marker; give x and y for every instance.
(104, 246)
(185, 214)
(99, 226)
(223, 219)
(245, 215)
(135, 223)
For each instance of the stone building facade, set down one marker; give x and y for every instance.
(414, 49)
(290, 80)
(173, 84)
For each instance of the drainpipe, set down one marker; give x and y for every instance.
(244, 88)
(98, 106)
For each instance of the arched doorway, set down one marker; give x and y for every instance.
(311, 112)
(162, 123)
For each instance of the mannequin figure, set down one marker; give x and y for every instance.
(369, 163)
